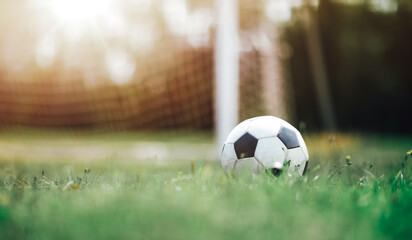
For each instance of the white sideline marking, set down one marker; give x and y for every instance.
(87, 151)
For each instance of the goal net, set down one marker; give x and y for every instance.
(131, 64)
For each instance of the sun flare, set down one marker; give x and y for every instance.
(79, 10)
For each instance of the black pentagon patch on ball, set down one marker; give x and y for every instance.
(245, 146)
(288, 137)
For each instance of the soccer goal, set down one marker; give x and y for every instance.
(133, 65)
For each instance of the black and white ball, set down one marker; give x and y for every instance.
(265, 142)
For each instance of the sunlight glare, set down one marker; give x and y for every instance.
(198, 27)
(175, 13)
(383, 6)
(120, 65)
(46, 52)
(278, 11)
(78, 10)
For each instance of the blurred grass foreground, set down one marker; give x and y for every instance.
(356, 188)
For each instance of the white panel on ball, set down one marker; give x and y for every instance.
(303, 145)
(247, 165)
(269, 151)
(297, 159)
(229, 166)
(259, 127)
(228, 157)
(238, 131)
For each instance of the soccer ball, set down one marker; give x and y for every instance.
(265, 143)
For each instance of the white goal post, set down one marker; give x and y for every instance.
(227, 68)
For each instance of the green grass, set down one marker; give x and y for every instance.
(356, 188)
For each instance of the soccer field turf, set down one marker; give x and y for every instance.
(357, 187)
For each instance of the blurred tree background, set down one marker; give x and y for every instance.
(368, 52)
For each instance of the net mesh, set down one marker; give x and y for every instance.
(121, 65)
